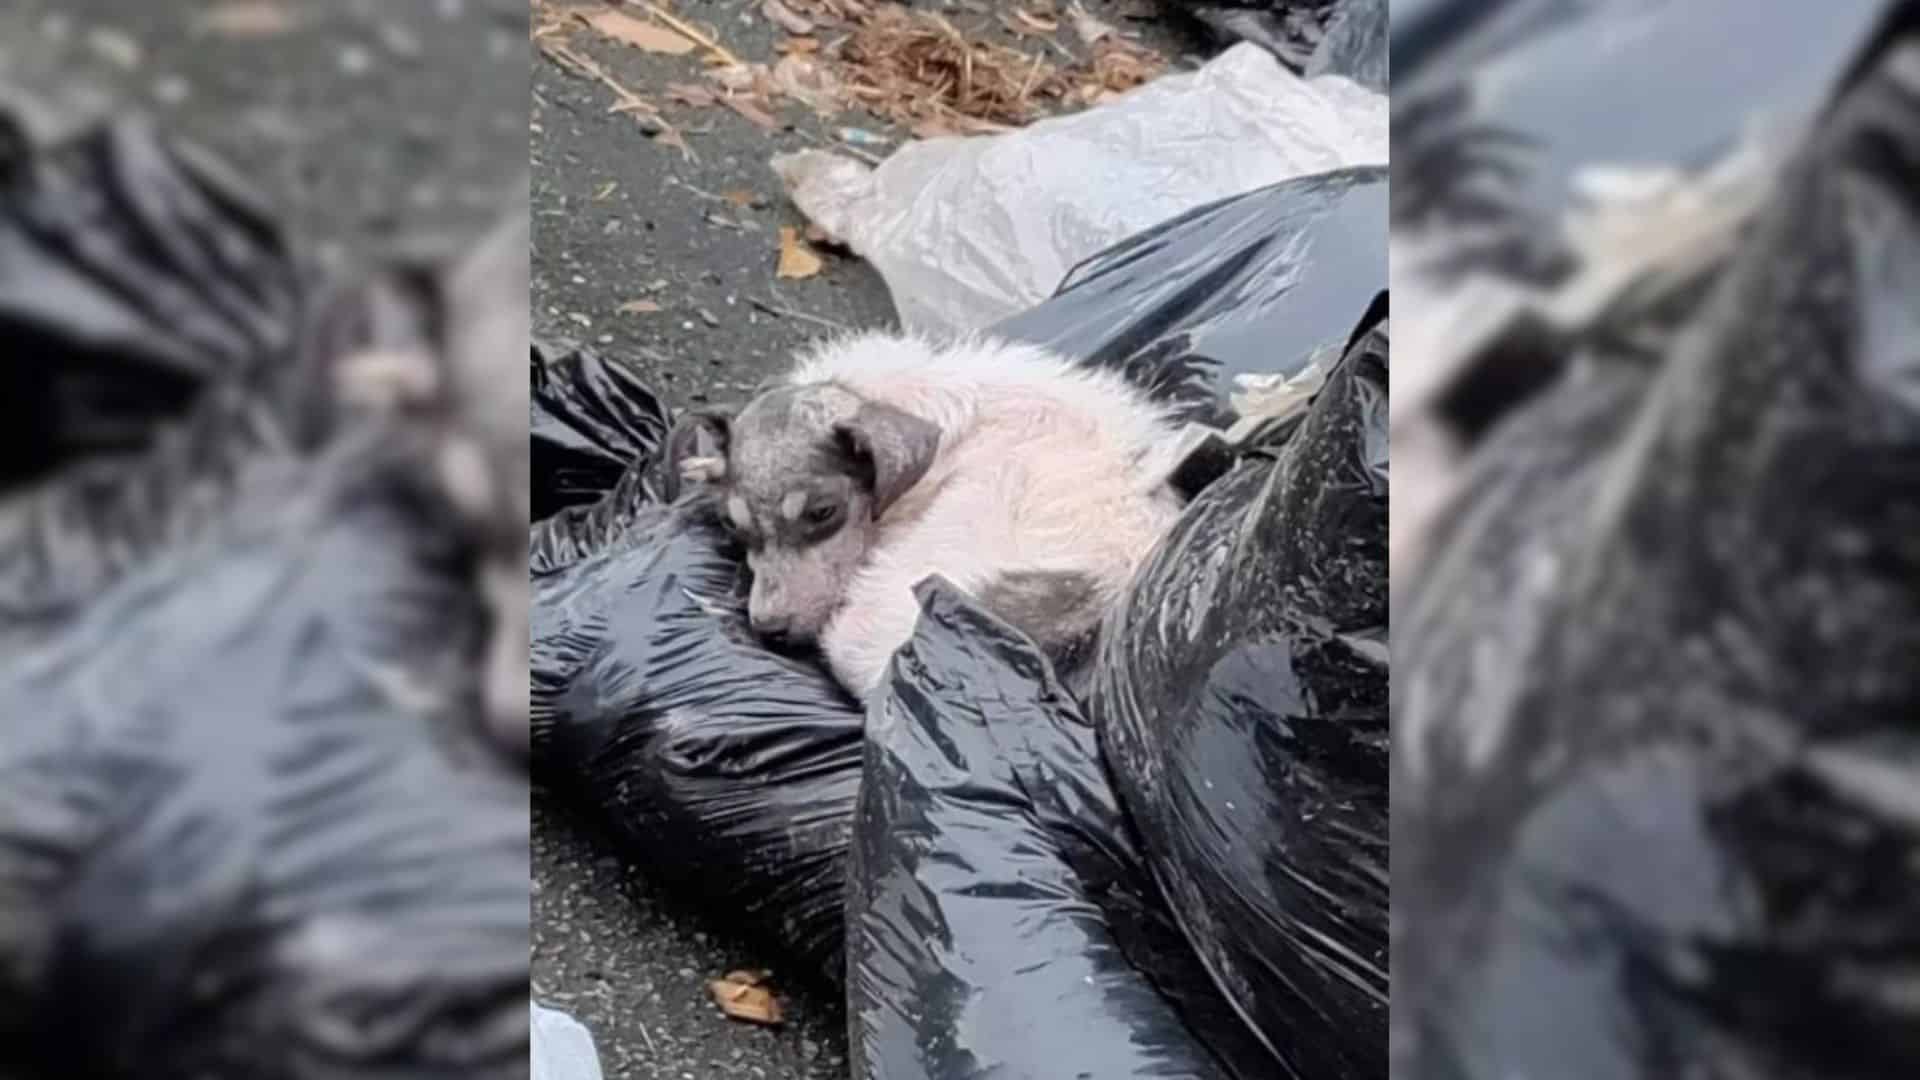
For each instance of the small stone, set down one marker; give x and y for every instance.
(115, 47)
(171, 90)
(355, 60)
(399, 41)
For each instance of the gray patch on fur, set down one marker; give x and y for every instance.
(1046, 605)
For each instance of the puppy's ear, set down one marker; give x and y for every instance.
(697, 451)
(892, 449)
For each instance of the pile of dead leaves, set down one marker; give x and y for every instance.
(917, 69)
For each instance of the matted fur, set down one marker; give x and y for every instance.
(1042, 467)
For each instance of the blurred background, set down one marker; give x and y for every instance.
(1652, 539)
(360, 121)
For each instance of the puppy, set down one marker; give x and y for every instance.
(880, 460)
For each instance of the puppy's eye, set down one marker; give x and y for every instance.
(820, 515)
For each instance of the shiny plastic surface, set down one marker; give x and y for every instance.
(728, 771)
(1259, 284)
(589, 421)
(975, 949)
(1654, 790)
(1241, 700)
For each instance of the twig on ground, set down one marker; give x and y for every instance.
(772, 308)
(718, 50)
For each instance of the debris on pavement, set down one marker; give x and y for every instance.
(745, 995)
(915, 68)
(639, 33)
(247, 19)
(796, 260)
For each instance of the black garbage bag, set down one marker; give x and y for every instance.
(1355, 45)
(1263, 282)
(1654, 755)
(728, 771)
(144, 298)
(245, 825)
(590, 421)
(1241, 699)
(975, 947)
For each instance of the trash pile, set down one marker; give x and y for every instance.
(1654, 759)
(258, 813)
(970, 231)
(748, 783)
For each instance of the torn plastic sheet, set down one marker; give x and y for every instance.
(968, 231)
(1653, 804)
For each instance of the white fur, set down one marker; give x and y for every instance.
(1041, 466)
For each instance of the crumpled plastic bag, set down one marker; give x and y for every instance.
(589, 421)
(1227, 307)
(145, 301)
(1549, 196)
(727, 771)
(245, 825)
(1241, 698)
(1654, 762)
(968, 231)
(975, 947)
(562, 1047)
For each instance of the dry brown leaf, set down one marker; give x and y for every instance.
(796, 259)
(797, 45)
(744, 995)
(640, 34)
(638, 307)
(786, 18)
(760, 117)
(248, 19)
(742, 199)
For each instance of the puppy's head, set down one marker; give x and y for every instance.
(805, 475)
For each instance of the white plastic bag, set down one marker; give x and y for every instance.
(967, 231)
(562, 1048)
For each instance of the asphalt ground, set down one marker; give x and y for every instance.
(368, 124)
(620, 217)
